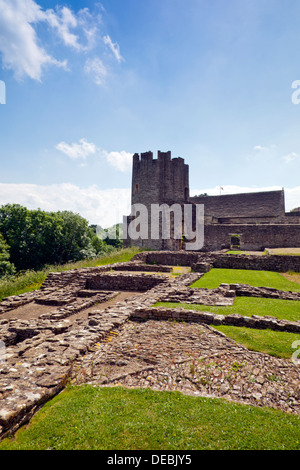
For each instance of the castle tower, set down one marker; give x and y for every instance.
(164, 180)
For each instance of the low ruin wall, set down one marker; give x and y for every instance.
(264, 262)
(252, 237)
(202, 262)
(181, 314)
(123, 282)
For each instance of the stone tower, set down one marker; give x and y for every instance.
(164, 180)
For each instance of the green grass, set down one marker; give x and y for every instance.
(91, 418)
(266, 341)
(274, 343)
(94, 418)
(215, 277)
(242, 252)
(248, 306)
(32, 280)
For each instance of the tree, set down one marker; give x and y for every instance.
(76, 241)
(37, 238)
(6, 268)
(111, 236)
(14, 228)
(98, 244)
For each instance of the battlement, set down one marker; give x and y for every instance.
(161, 156)
(161, 180)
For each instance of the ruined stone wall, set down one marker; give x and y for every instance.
(123, 282)
(181, 314)
(252, 237)
(202, 262)
(275, 263)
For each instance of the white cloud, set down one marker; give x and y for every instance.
(20, 46)
(265, 148)
(66, 22)
(122, 161)
(63, 21)
(114, 47)
(77, 150)
(291, 157)
(100, 207)
(96, 69)
(260, 148)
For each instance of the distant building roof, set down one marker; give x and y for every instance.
(260, 204)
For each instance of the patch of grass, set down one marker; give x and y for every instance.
(23, 282)
(91, 418)
(215, 277)
(32, 280)
(242, 252)
(274, 343)
(248, 306)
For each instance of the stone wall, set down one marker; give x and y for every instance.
(202, 262)
(181, 314)
(275, 263)
(252, 237)
(40, 352)
(161, 180)
(264, 204)
(123, 282)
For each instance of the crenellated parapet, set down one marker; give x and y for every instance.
(161, 180)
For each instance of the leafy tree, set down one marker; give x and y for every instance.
(111, 236)
(76, 242)
(45, 232)
(37, 238)
(14, 221)
(98, 244)
(6, 268)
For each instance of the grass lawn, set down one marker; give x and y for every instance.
(91, 418)
(248, 306)
(110, 418)
(266, 341)
(215, 277)
(32, 280)
(274, 343)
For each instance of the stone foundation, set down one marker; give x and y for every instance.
(76, 310)
(203, 262)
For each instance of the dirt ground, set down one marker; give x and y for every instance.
(295, 277)
(284, 251)
(33, 310)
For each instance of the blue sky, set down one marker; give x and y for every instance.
(90, 83)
